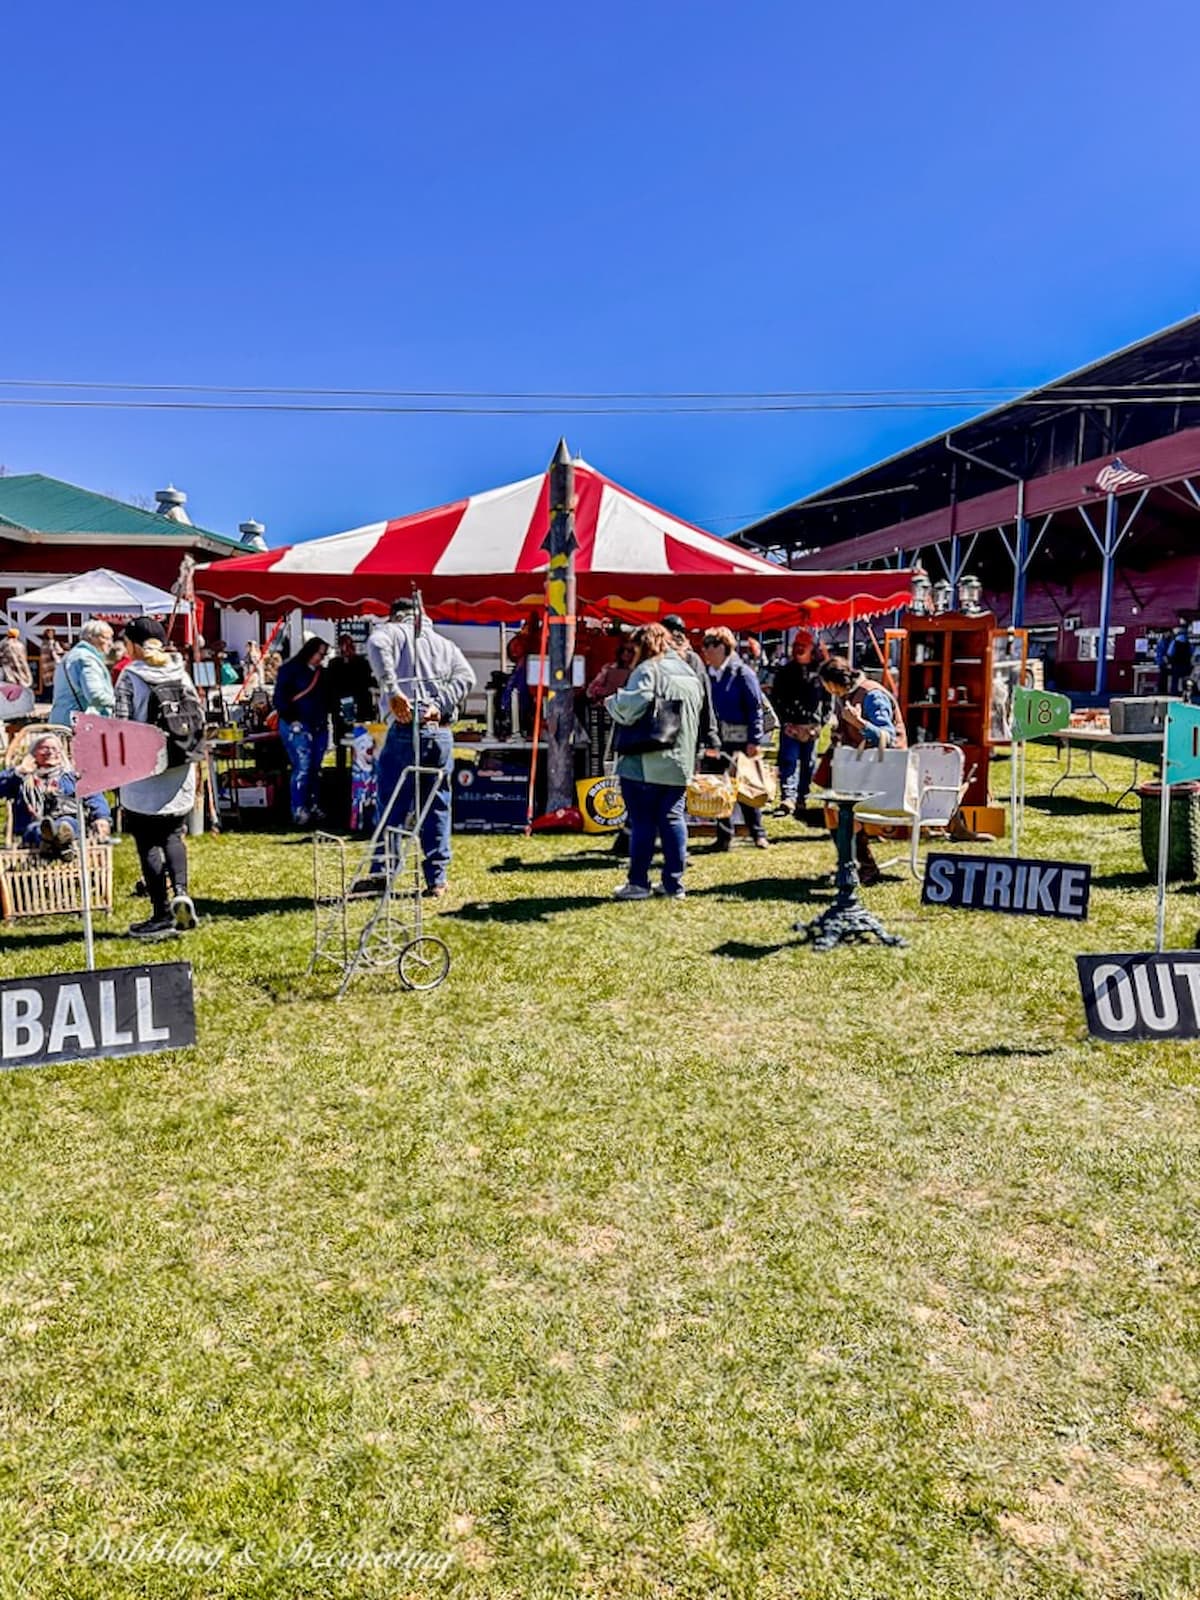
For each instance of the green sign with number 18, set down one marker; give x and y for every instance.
(1036, 712)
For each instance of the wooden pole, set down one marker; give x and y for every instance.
(560, 607)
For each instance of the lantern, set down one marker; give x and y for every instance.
(943, 594)
(920, 590)
(969, 591)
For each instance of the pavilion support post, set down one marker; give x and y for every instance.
(1108, 550)
(560, 606)
(1020, 559)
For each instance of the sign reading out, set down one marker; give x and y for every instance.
(74, 1016)
(1142, 996)
(1019, 888)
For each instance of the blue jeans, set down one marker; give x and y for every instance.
(655, 811)
(436, 750)
(795, 767)
(305, 751)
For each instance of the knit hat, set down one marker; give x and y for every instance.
(143, 628)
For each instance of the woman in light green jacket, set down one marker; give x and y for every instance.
(654, 782)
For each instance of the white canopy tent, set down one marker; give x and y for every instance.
(100, 593)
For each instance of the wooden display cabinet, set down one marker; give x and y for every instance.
(945, 688)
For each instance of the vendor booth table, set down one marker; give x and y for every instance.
(1135, 747)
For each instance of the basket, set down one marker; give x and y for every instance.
(711, 796)
(33, 888)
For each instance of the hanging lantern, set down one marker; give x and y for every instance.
(969, 591)
(920, 590)
(943, 595)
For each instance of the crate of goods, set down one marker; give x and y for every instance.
(1139, 714)
(255, 794)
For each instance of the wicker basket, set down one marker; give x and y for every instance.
(711, 795)
(33, 888)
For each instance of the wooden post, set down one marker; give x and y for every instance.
(560, 608)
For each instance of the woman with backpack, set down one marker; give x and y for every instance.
(155, 688)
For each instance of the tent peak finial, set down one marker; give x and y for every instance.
(562, 455)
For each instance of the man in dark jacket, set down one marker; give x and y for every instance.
(802, 703)
(738, 706)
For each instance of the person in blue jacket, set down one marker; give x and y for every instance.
(738, 707)
(865, 713)
(82, 681)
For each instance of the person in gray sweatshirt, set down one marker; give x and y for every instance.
(155, 688)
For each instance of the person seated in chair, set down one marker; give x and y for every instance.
(40, 788)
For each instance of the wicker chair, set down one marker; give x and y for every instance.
(33, 887)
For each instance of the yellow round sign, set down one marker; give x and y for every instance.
(600, 804)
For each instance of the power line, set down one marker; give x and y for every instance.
(1158, 392)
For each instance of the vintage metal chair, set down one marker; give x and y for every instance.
(33, 887)
(932, 794)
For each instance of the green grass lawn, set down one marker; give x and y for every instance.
(652, 1255)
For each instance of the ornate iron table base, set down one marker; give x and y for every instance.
(847, 920)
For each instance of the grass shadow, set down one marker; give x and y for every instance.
(591, 861)
(1003, 1051)
(246, 910)
(738, 950)
(536, 908)
(1071, 805)
(1122, 880)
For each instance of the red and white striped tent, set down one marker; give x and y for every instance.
(482, 560)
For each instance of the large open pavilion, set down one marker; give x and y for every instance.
(1078, 506)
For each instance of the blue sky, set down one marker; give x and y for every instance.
(636, 196)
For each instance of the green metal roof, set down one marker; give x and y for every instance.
(34, 503)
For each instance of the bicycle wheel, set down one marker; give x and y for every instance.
(423, 963)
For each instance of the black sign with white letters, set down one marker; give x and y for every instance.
(1146, 996)
(75, 1016)
(999, 883)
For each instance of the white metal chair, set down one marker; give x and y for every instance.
(933, 793)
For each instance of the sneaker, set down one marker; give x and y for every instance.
(155, 928)
(670, 894)
(436, 891)
(302, 819)
(721, 843)
(785, 808)
(762, 842)
(184, 912)
(631, 891)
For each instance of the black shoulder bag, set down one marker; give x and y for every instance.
(658, 728)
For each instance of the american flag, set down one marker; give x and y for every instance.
(1118, 476)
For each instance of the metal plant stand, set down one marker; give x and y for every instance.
(847, 920)
(361, 928)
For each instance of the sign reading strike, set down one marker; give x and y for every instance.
(1020, 888)
(1142, 996)
(73, 1016)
